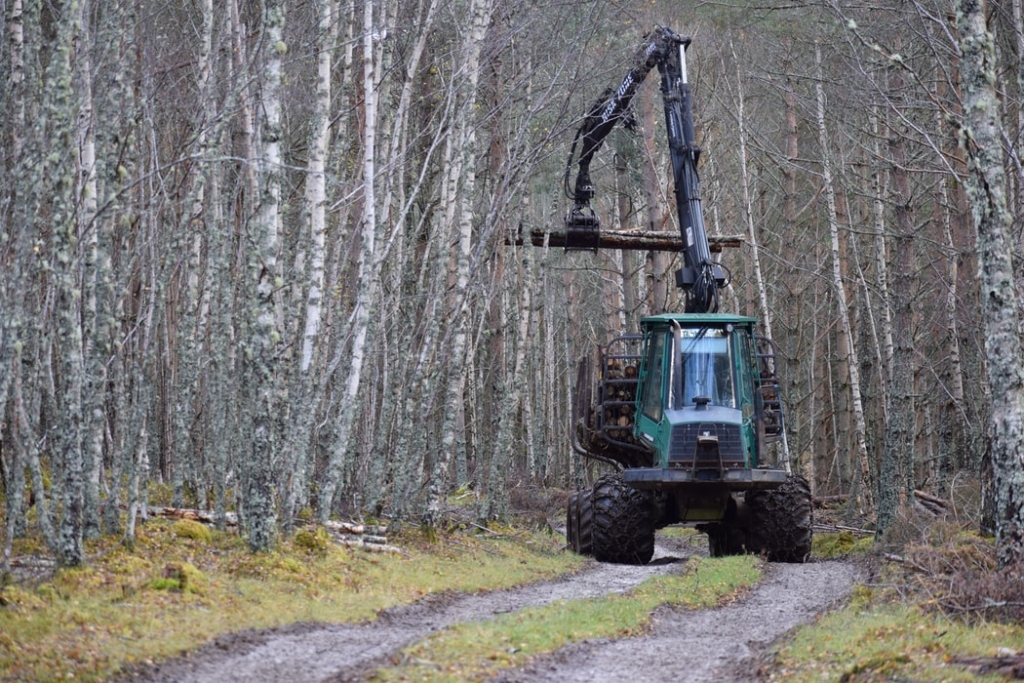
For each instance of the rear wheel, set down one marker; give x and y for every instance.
(729, 536)
(585, 523)
(572, 522)
(623, 522)
(780, 521)
(725, 539)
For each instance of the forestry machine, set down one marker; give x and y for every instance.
(685, 410)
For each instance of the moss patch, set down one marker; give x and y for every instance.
(165, 596)
(868, 642)
(842, 544)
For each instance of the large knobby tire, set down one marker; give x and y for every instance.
(780, 521)
(624, 521)
(572, 522)
(725, 539)
(585, 524)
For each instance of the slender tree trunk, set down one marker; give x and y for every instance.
(853, 365)
(369, 275)
(303, 412)
(65, 255)
(464, 154)
(897, 462)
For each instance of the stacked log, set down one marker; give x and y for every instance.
(937, 507)
(618, 400)
(370, 537)
(204, 516)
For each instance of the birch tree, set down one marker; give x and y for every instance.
(986, 192)
(369, 271)
(852, 363)
(261, 355)
(462, 175)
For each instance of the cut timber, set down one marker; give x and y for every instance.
(930, 504)
(641, 240)
(356, 529)
(204, 516)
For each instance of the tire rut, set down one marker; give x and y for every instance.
(308, 653)
(703, 645)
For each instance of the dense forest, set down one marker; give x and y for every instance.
(270, 256)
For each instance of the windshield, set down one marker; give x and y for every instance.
(706, 368)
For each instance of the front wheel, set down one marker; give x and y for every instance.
(623, 522)
(780, 521)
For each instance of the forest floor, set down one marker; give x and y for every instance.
(721, 643)
(510, 604)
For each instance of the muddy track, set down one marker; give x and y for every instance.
(724, 641)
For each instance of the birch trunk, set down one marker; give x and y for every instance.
(369, 276)
(303, 405)
(860, 428)
(463, 169)
(986, 191)
(263, 346)
(62, 109)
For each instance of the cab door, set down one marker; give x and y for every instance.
(655, 379)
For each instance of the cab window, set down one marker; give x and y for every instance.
(655, 376)
(707, 368)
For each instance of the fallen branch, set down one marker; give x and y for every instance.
(836, 528)
(822, 501)
(370, 547)
(356, 529)
(1011, 666)
(899, 559)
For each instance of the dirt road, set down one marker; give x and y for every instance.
(718, 644)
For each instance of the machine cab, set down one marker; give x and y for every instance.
(701, 393)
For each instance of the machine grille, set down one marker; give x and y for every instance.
(684, 444)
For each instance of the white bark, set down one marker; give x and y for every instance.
(369, 273)
(986, 192)
(462, 168)
(860, 427)
(261, 356)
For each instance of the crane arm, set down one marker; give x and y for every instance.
(700, 277)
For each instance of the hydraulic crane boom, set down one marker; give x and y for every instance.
(700, 277)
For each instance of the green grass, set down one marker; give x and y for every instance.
(173, 592)
(479, 650)
(896, 631)
(867, 641)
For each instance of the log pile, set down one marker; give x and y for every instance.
(619, 399)
(370, 537)
(936, 507)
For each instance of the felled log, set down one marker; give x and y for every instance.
(639, 240)
(931, 504)
(369, 547)
(204, 516)
(837, 528)
(356, 529)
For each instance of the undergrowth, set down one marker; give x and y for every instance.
(933, 607)
(180, 587)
